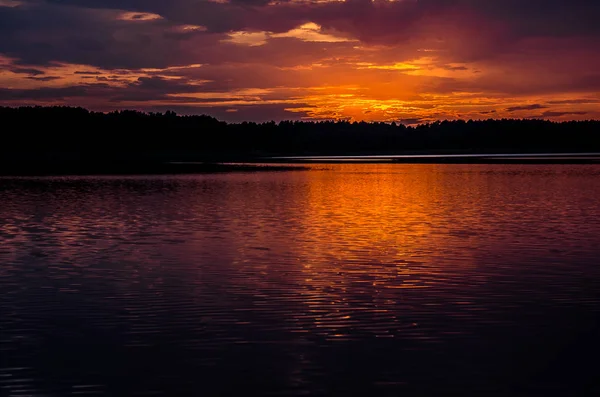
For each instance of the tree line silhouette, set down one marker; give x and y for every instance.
(57, 134)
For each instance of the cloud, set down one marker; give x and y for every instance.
(496, 22)
(10, 3)
(463, 30)
(411, 121)
(525, 107)
(560, 114)
(44, 78)
(31, 71)
(42, 93)
(311, 32)
(247, 38)
(87, 72)
(454, 68)
(42, 34)
(574, 101)
(138, 16)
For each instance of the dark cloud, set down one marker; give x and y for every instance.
(371, 19)
(526, 107)
(574, 102)
(87, 72)
(472, 29)
(378, 21)
(455, 68)
(30, 71)
(43, 34)
(153, 88)
(159, 84)
(69, 32)
(44, 78)
(539, 79)
(143, 89)
(560, 114)
(42, 94)
(411, 121)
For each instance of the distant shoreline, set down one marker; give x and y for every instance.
(143, 169)
(487, 158)
(280, 164)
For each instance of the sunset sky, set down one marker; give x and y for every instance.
(407, 61)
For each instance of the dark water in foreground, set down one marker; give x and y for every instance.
(366, 280)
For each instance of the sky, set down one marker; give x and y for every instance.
(408, 61)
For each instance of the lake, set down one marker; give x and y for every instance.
(345, 279)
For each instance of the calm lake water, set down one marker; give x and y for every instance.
(371, 280)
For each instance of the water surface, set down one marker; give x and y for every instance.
(340, 280)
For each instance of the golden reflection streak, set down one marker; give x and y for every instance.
(375, 233)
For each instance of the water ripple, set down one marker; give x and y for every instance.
(362, 280)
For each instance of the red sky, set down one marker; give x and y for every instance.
(402, 60)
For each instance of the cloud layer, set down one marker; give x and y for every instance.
(291, 59)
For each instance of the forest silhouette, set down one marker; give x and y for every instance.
(36, 139)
